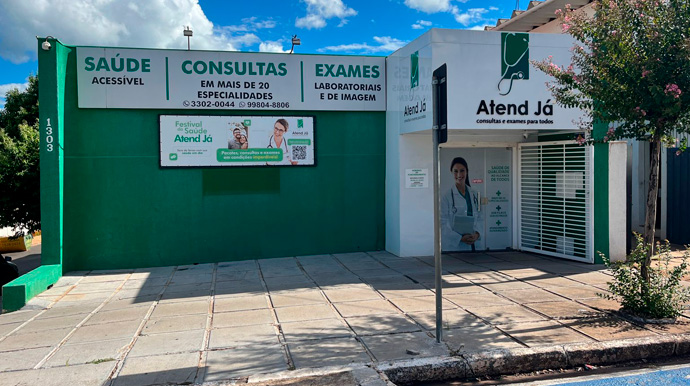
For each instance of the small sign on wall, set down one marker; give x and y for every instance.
(568, 184)
(416, 178)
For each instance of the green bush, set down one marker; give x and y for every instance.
(663, 297)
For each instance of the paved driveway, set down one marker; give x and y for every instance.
(214, 322)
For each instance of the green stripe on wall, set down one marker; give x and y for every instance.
(601, 193)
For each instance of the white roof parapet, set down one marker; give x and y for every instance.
(537, 14)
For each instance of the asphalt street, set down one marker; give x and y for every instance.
(28, 260)
(658, 376)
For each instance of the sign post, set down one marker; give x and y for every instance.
(440, 135)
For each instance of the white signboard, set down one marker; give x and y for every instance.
(142, 79)
(491, 82)
(194, 140)
(416, 178)
(413, 89)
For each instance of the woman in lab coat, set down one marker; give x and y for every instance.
(278, 141)
(462, 201)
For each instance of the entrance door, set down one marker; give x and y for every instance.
(555, 200)
(490, 178)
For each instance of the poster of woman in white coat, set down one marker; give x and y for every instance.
(461, 218)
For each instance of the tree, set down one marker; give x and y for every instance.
(19, 161)
(20, 107)
(630, 69)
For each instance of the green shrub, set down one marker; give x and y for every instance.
(663, 297)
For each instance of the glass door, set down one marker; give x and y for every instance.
(486, 198)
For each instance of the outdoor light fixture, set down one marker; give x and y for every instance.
(188, 33)
(46, 44)
(295, 42)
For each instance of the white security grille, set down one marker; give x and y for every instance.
(555, 205)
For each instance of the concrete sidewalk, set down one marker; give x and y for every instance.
(369, 315)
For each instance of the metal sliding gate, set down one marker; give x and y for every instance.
(677, 193)
(555, 200)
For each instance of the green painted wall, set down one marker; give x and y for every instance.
(52, 71)
(121, 210)
(52, 68)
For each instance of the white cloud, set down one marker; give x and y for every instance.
(154, 24)
(250, 24)
(4, 88)
(473, 15)
(269, 46)
(263, 24)
(432, 6)
(243, 40)
(310, 22)
(421, 24)
(318, 11)
(493, 9)
(429, 6)
(385, 44)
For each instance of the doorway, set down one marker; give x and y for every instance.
(490, 179)
(555, 200)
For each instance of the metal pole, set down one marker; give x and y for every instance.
(437, 219)
(188, 46)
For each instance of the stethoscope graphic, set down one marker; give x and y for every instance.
(517, 75)
(475, 198)
(272, 140)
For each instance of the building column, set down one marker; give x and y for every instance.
(601, 192)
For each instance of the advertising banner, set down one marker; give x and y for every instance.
(142, 79)
(486, 204)
(195, 140)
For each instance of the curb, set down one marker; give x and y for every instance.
(522, 360)
(362, 374)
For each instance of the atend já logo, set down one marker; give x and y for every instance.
(514, 60)
(414, 69)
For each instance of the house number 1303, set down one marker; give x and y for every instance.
(49, 136)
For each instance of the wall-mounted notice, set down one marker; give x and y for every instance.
(416, 178)
(195, 140)
(143, 79)
(569, 183)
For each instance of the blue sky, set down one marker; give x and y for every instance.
(372, 27)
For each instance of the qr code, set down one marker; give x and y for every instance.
(299, 153)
